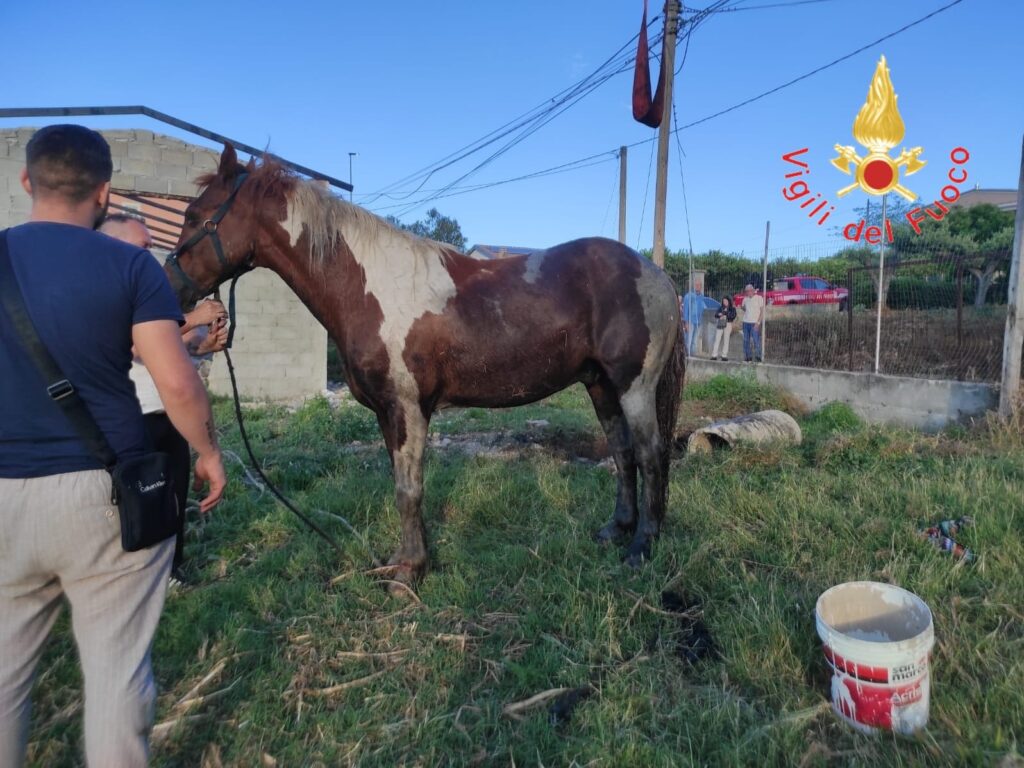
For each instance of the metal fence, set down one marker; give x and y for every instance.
(942, 315)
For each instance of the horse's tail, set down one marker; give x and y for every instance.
(667, 395)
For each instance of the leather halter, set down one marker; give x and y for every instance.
(177, 275)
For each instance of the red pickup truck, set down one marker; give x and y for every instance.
(803, 289)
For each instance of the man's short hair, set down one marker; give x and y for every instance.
(70, 161)
(748, 287)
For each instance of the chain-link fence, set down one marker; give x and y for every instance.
(943, 314)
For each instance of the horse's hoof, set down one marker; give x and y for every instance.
(400, 579)
(637, 555)
(611, 533)
(402, 590)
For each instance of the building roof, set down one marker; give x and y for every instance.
(1003, 199)
(498, 251)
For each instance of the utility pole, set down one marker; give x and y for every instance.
(1013, 338)
(622, 195)
(764, 292)
(668, 52)
(350, 192)
(881, 294)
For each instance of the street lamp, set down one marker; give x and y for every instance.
(350, 156)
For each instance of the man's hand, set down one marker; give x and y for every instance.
(210, 471)
(205, 314)
(216, 340)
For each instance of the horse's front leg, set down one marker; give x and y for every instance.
(405, 433)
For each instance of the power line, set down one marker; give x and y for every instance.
(541, 120)
(536, 123)
(682, 182)
(815, 71)
(586, 85)
(573, 165)
(768, 5)
(608, 208)
(647, 191)
(528, 131)
(610, 153)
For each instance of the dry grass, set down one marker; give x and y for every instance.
(919, 343)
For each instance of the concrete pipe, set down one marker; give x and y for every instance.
(752, 429)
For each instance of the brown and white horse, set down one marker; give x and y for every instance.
(422, 327)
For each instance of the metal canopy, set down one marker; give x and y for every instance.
(163, 220)
(165, 118)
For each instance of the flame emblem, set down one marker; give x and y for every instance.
(878, 127)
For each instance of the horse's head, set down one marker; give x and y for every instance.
(218, 239)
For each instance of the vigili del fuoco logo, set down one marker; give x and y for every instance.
(878, 128)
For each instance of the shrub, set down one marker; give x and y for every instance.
(830, 419)
(742, 394)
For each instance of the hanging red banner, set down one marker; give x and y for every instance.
(646, 110)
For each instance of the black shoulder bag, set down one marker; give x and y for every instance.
(142, 487)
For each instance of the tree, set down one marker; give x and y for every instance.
(436, 226)
(991, 230)
(980, 237)
(896, 209)
(979, 222)
(724, 272)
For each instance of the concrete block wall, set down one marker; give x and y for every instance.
(280, 350)
(926, 404)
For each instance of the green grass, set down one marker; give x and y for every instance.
(520, 600)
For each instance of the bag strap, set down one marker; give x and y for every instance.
(59, 389)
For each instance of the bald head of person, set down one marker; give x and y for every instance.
(127, 228)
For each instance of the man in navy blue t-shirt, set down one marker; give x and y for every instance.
(91, 298)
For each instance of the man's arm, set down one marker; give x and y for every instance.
(158, 343)
(206, 313)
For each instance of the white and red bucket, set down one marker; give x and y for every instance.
(877, 640)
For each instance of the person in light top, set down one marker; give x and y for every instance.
(205, 331)
(753, 313)
(691, 310)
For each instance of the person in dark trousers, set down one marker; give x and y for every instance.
(724, 318)
(90, 299)
(753, 316)
(205, 331)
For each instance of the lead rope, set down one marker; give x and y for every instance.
(252, 458)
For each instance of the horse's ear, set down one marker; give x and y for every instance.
(228, 162)
(251, 165)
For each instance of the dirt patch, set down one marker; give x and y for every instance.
(577, 448)
(568, 445)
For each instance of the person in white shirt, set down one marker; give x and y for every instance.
(753, 312)
(205, 331)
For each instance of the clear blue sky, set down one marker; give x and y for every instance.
(404, 84)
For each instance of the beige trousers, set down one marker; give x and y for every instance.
(59, 535)
(722, 339)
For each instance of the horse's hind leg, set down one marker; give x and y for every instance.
(405, 433)
(609, 413)
(638, 405)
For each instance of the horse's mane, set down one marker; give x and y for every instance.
(324, 214)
